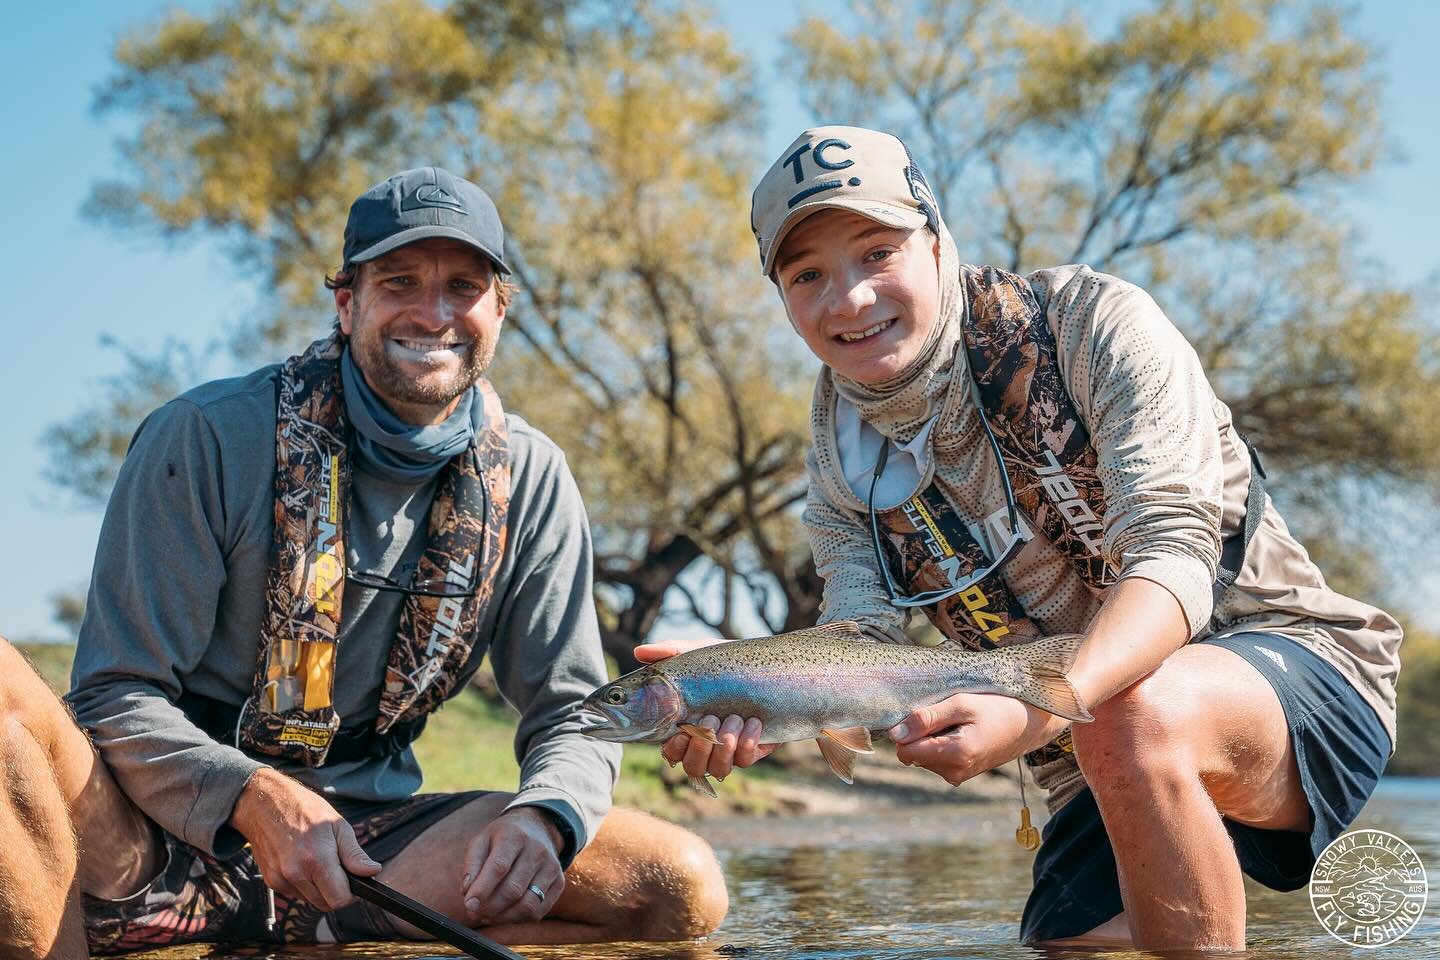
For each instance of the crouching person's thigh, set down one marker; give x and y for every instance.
(645, 879)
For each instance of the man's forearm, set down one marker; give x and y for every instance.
(1139, 624)
(1137, 627)
(176, 773)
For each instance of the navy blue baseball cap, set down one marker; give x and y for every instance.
(417, 205)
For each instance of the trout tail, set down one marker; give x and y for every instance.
(1045, 685)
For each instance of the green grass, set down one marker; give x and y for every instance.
(469, 744)
(51, 661)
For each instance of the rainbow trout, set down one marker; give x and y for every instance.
(828, 683)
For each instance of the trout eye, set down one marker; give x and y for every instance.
(615, 696)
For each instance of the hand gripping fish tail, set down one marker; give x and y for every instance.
(1045, 664)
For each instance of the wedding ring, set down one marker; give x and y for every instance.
(535, 889)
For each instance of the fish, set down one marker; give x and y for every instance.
(830, 683)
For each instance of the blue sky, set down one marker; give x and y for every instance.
(73, 282)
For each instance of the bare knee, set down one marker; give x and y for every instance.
(35, 723)
(116, 839)
(685, 896)
(28, 785)
(1140, 735)
(32, 800)
(703, 898)
(31, 793)
(661, 882)
(25, 697)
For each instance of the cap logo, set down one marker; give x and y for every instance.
(796, 161)
(432, 195)
(920, 190)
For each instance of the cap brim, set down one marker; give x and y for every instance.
(427, 232)
(889, 214)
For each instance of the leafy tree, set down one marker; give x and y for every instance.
(69, 608)
(1417, 740)
(1198, 149)
(617, 139)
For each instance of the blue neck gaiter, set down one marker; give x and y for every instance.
(393, 449)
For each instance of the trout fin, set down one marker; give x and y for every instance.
(1045, 684)
(838, 630)
(851, 738)
(699, 733)
(703, 785)
(841, 747)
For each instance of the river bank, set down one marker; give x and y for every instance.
(899, 866)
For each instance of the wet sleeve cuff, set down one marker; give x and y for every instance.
(208, 824)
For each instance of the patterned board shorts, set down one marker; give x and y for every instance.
(197, 898)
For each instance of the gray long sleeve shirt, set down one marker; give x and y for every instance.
(178, 595)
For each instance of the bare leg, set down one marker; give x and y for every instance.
(1201, 738)
(65, 827)
(640, 878)
(37, 870)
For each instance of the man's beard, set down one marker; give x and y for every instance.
(391, 382)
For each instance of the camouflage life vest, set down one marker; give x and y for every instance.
(1051, 466)
(291, 711)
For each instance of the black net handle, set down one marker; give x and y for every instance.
(1232, 551)
(437, 925)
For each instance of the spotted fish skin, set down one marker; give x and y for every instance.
(829, 678)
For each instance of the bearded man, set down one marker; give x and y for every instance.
(295, 569)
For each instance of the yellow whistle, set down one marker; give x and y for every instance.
(1026, 835)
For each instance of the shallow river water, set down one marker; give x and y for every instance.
(927, 882)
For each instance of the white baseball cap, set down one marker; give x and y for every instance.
(846, 168)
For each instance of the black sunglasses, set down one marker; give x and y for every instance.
(443, 589)
(419, 588)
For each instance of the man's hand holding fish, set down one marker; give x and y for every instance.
(739, 737)
(831, 683)
(966, 734)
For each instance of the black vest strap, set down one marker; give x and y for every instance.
(1233, 550)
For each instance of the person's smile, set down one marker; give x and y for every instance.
(869, 333)
(429, 351)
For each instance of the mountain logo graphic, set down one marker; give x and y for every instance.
(1368, 888)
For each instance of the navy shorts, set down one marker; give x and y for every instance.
(1340, 747)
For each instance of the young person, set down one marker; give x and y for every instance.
(1025, 456)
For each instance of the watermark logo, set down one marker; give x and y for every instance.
(1368, 888)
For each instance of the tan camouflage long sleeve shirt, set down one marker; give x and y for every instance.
(1175, 474)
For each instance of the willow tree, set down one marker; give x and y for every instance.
(1199, 148)
(617, 141)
